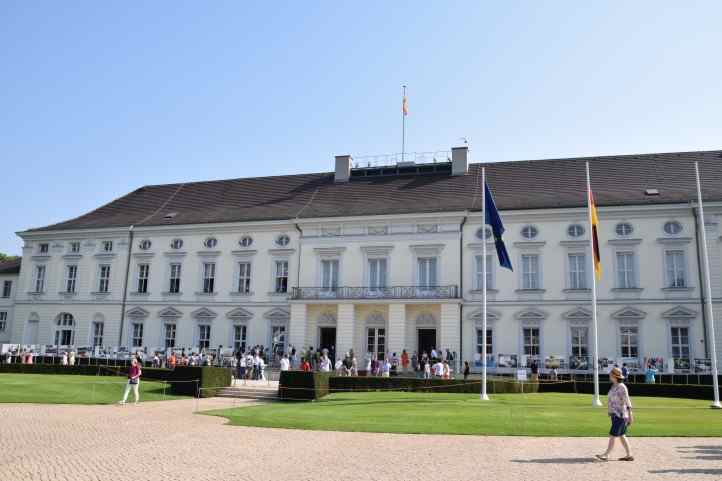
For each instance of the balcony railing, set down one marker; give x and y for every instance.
(394, 292)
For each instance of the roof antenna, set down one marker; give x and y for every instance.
(466, 142)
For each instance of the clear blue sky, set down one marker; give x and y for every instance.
(99, 98)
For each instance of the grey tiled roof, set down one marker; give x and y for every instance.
(534, 184)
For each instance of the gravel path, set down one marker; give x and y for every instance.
(166, 441)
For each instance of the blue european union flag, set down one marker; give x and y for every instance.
(492, 219)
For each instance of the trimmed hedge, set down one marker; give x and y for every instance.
(656, 390)
(303, 386)
(199, 381)
(155, 374)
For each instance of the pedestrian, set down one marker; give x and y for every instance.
(534, 371)
(285, 363)
(625, 371)
(650, 373)
(466, 370)
(405, 361)
(134, 373)
(554, 374)
(64, 359)
(305, 365)
(71, 358)
(427, 368)
(386, 368)
(619, 408)
(325, 363)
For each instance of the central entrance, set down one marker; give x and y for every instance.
(427, 341)
(327, 340)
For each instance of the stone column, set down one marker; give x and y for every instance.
(297, 327)
(344, 329)
(396, 334)
(449, 323)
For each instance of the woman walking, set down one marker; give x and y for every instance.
(620, 411)
(134, 373)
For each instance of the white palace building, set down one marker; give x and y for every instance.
(381, 259)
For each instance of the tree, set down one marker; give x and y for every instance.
(7, 258)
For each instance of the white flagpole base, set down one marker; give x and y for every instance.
(716, 405)
(484, 397)
(597, 403)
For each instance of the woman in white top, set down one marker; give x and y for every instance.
(325, 364)
(64, 359)
(285, 363)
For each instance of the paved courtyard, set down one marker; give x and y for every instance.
(166, 441)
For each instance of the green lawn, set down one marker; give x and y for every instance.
(549, 414)
(74, 389)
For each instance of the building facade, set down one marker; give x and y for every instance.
(379, 260)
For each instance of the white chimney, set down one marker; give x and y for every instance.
(459, 160)
(343, 168)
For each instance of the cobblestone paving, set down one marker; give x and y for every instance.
(166, 441)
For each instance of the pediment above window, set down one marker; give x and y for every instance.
(531, 316)
(578, 314)
(137, 313)
(679, 312)
(170, 313)
(629, 313)
(425, 319)
(376, 318)
(478, 316)
(239, 314)
(203, 314)
(277, 314)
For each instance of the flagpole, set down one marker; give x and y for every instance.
(403, 126)
(708, 292)
(484, 396)
(595, 401)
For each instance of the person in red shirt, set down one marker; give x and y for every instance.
(134, 373)
(405, 361)
(172, 361)
(305, 366)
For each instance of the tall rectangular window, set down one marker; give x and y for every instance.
(479, 272)
(675, 268)
(7, 288)
(169, 331)
(281, 276)
(239, 338)
(39, 283)
(629, 341)
(74, 247)
(580, 341)
(329, 271)
(480, 341)
(680, 342)
(71, 276)
(137, 334)
(376, 342)
(44, 248)
(530, 271)
(209, 277)
(626, 278)
(104, 278)
(577, 271)
(531, 341)
(143, 273)
(427, 272)
(3, 321)
(244, 277)
(377, 273)
(278, 340)
(107, 246)
(204, 336)
(98, 328)
(175, 278)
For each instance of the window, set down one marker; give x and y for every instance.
(239, 338)
(281, 276)
(680, 342)
(107, 246)
(137, 334)
(244, 277)
(246, 241)
(377, 273)
(169, 334)
(144, 245)
(278, 340)
(143, 273)
(71, 276)
(577, 271)
(7, 288)
(629, 341)
(329, 275)
(480, 340)
(575, 230)
(626, 278)
(580, 342)
(65, 331)
(283, 240)
(427, 272)
(175, 278)
(376, 342)
(74, 247)
(672, 227)
(479, 272)
(44, 248)
(483, 233)
(211, 242)
(531, 341)
(98, 328)
(176, 243)
(209, 277)
(675, 269)
(39, 282)
(623, 229)
(529, 232)
(530, 271)
(3, 321)
(104, 278)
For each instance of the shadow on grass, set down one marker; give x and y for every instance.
(555, 461)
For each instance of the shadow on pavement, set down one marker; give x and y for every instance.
(555, 461)
(687, 471)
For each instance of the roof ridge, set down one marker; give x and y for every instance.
(600, 157)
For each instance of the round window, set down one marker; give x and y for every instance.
(145, 244)
(245, 241)
(529, 232)
(483, 233)
(624, 229)
(176, 243)
(283, 240)
(672, 227)
(575, 230)
(211, 242)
